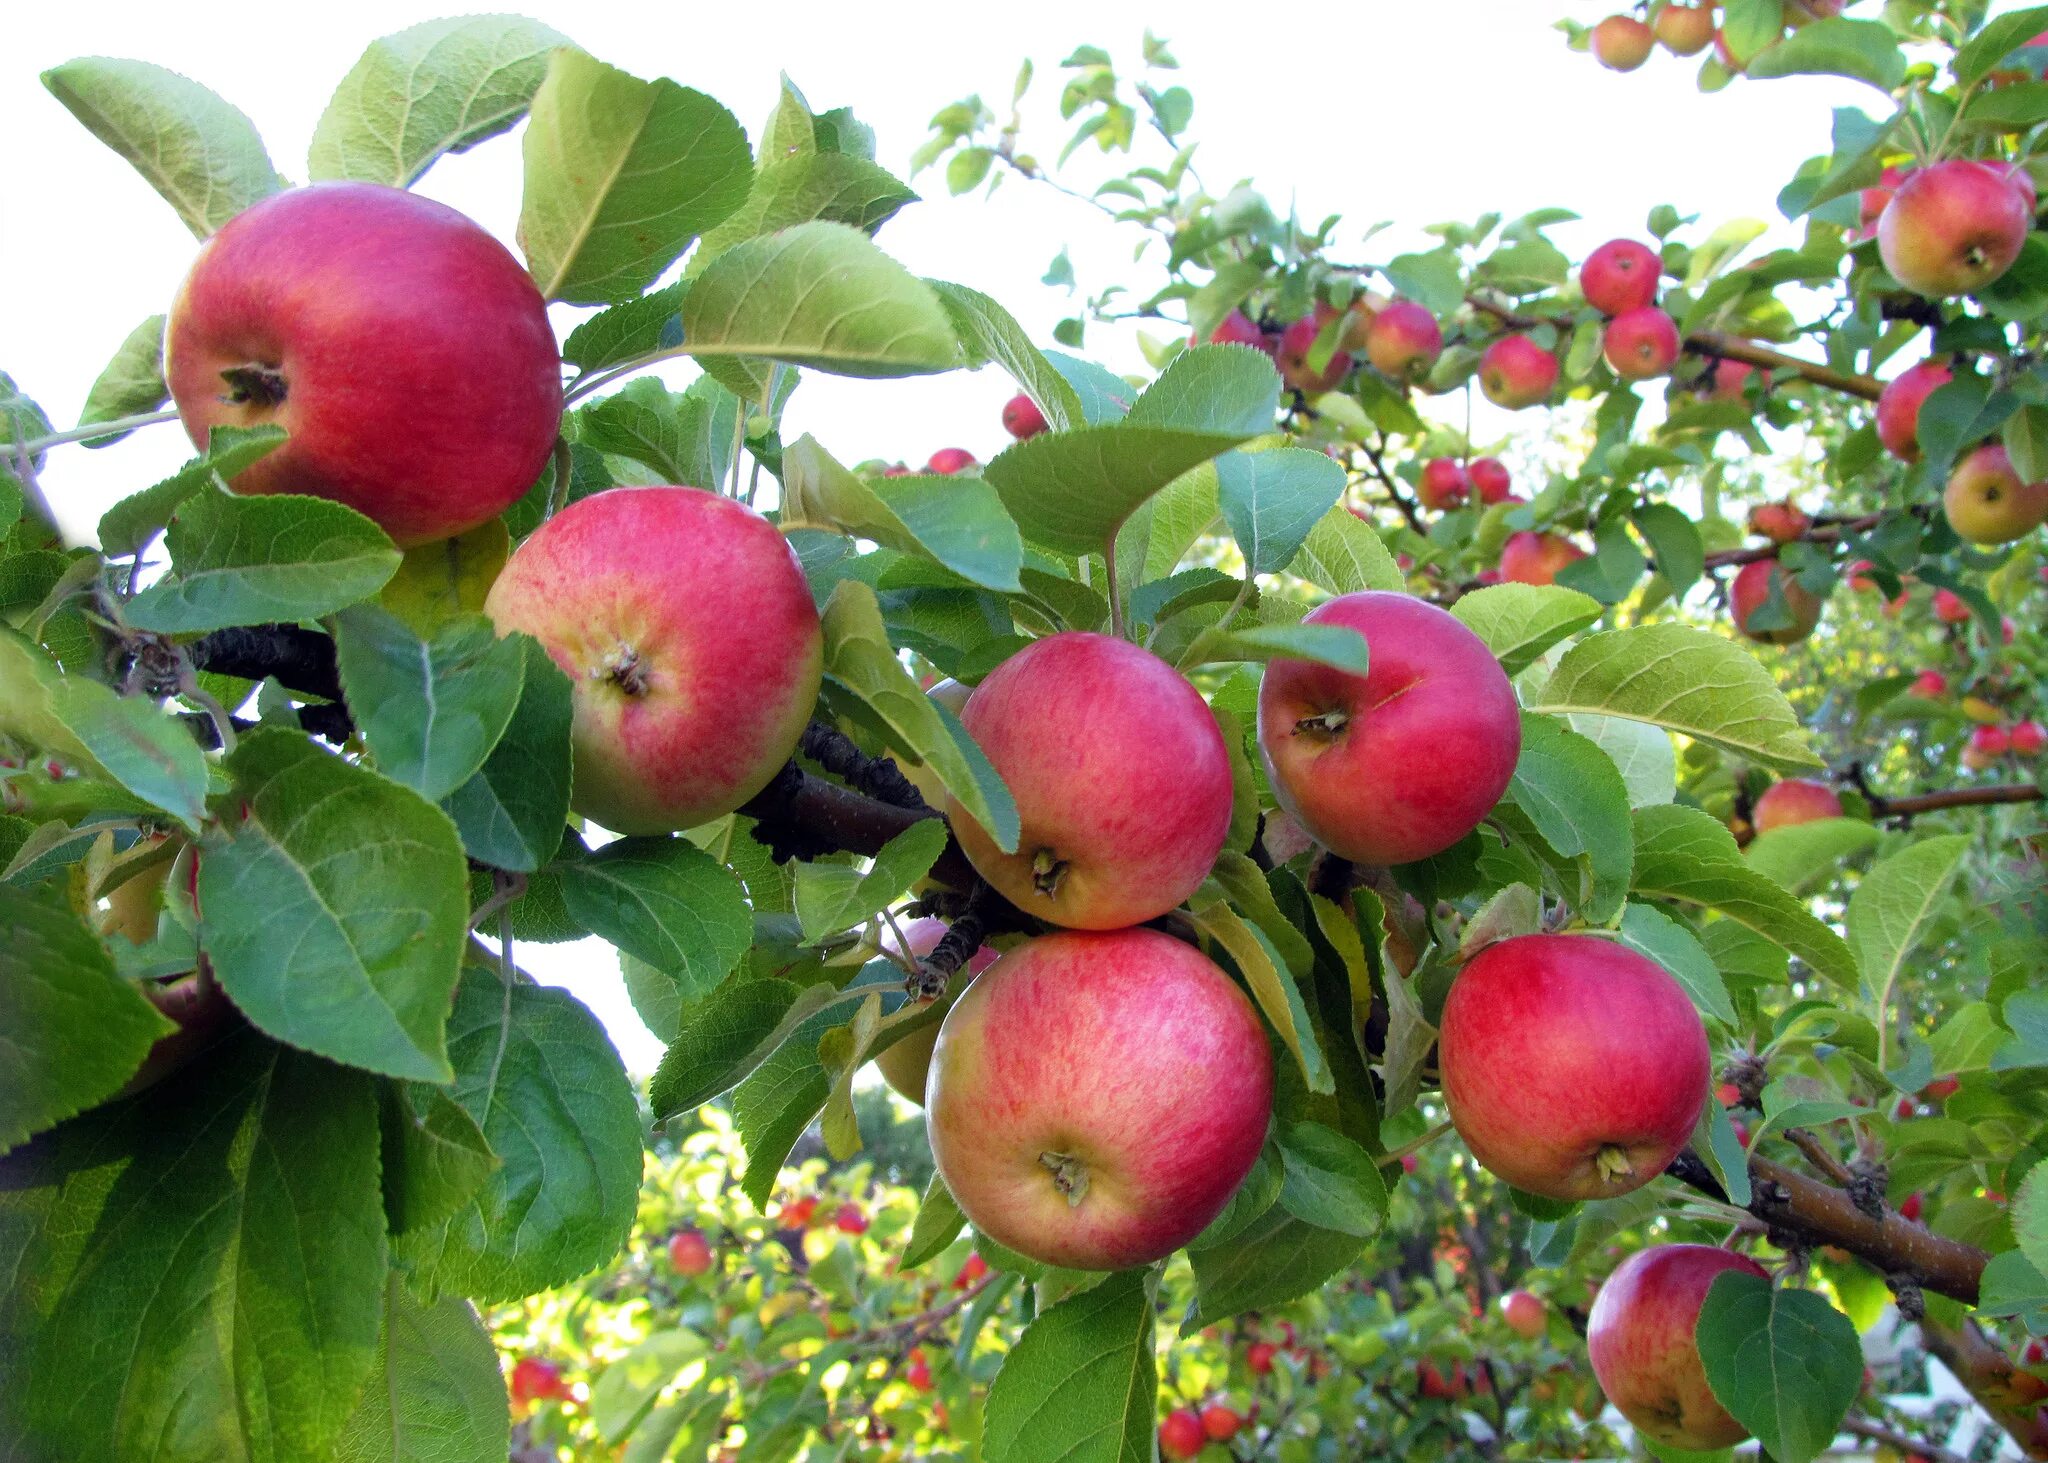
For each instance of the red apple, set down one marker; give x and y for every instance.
(689, 1252)
(973, 1269)
(2029, 738)
(1238, 328)
(917, 1371)
(906, 1065)
(1022, 418)
(1491, 480)
(1573, 1067)
(1531, 557)
(1622, 43)
(1953, 227)
(1729, 380)
(1443, 484)
(1941, 1089)
(1987, 502)
(1871, 201)
(1685, 30)
(1794, 801)
(1781, 523)
(796, 1213)
(1619, 276)
(1437, 1387)
(1949, 607)
(1220, 1423)
(1096, 1099)
(691, 641)
(949, 460)
(1181, 1435)
(1898, 407)
(536, 1380)
(1404, 761)
(1258, 1357)
(1404, 341)
(1728, 1094)
(1120, 775)
(1990, 742)
(1929, 685)
(404, 349)
(1641, 343)
(1295, 343)
(1526, 1315)
(1515, 372)
(1639, 1338)
(1752, 590)
(850, 1219)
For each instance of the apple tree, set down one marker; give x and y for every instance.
(1229, 794)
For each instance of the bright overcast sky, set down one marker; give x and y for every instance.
(1415, 111)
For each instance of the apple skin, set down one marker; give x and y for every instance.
(1573, 1067)
(1752, 590)
(1121, 779)
(1987, 502)
(1898, 407)
(1515, 372)
(1639, 1338)
(534, 1380)
(1622, 43)
(1685, 30)
(689, 1252)
(1532, 557)
(1096, 1098)
(1491, 480)
(405, 350)
(1295, 342)
(1929, 685)
(1619, 276)
(1526, 1316)
(1022, 418)
(1870, 203)
(1794, 801)
(907, 1065)
(1404, 341)
(1949, 607)
(1781, 523)
(1953, 227)
(1181, 1435)
(1426, 745)
(1237, 328)
(1443, 484)
(1641, 343)
(1729, 381)
(949, 460)
(691, 642)
(1220, 1423)
(2029, 738)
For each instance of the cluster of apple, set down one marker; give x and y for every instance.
(1623, 43)
(1398, 338)
(1188, 1430)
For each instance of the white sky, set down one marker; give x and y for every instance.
(1376, 109)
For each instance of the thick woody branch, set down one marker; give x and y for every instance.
(1988, 1374)
(301, 660)
(1877, 1432)
(1956, 797)
(1820, 533)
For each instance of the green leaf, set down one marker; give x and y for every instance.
(1519, 622)
(431, 710)
(1272, 986)
(625, 1390)
(76, 1031)
(664, 901)
(1997, 40)
(819, 295)
(1684, 680)
(956, 521)
(772, 1108)
(834, 186)
(832, 897)
(370, 883)
(1277, 1259)
(1343, 555)
(1644, 755)
(1675, 541)
(1434, 280)
(1331, 1182)
(643, 326)
(1687, 855)
(438, 87)
(1575, 796)
(725, 1035)
(988, 330)
(620, 175)
(1332, 645)
(512, 811)
(2014, 1286)
(1105, 396)
(1862, 50)
(435, 1393)
(1072, 490)
(1785, 1363)
(201, 154)
(137, 745)
(1080, 1385)
(132, 522)
(133, 381)
(2030, 1217)
(227, 1221)
(1651, 932)
(246, 561)
(858, 655)
(938, 1223)
(1891, 908)
(1273, 500)
(536, 1071)
(434, 1156)
(1798, 856)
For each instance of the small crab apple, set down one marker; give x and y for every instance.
(1220, 1422)
(2029, 738)
(1443, 484)
(689, 1252)
(1622, 43)
(1404, 341)
(973, 1270)
(1910, 1207)
(1238, 328)
(1898, 407)
(851, 1219)
(1987, 744)
(1729, 380)
(1022, 418)
(1988, 502)
(1685, 30)
(1794, 801)
(1781, 523)
(1639, 1338)
(1526, 1315)
(917, 1370)
(1258, 1357)
(1641, 343)
(1491, 480)
(950, 460)
(1573, 1066)
(691, 641)
(1619, 276)
(536, 1379)
(1181, 1435)
(1296, 341)
(1515, 372)
(1929, 685)
(1950, 608)
(1752, 591)
(1534, 557)
(797, 1213)
(1953, 227)
(1121, 778)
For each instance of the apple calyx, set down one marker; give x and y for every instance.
(623, 667)
(1047, 869)
(1612, 1162)
(1325, 726)
(1069, 1175)
(254, 385)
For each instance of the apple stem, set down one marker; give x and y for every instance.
(254, 385)
(1069, 1176)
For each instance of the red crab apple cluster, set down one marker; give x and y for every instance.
(285, 304)
(1401, 340)
(1619, 279)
